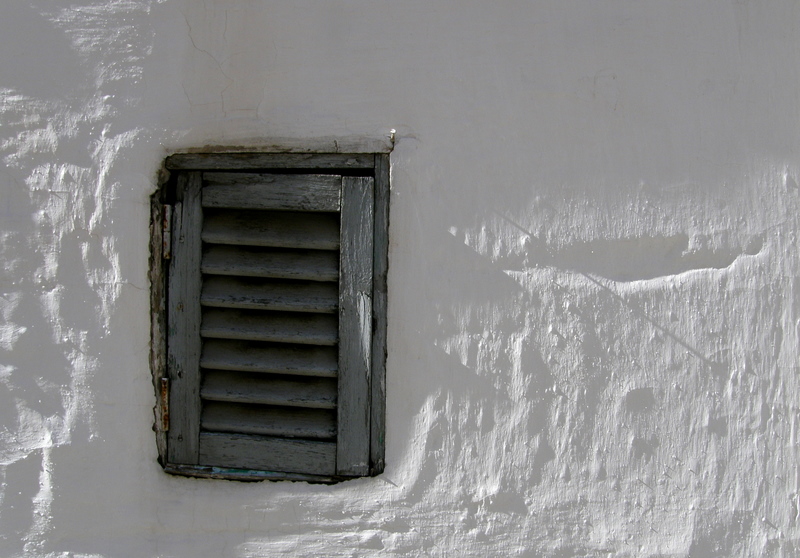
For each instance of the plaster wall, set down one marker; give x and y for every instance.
(594, 305)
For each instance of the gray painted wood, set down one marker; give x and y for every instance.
(355, 323)
(291, 296)
(379, 312)
(276, 242)
(279, 327)
(183, 341)
(305, 360)
(311, 265)
(287, 192)
(264, 389)
(279, 229)
(209, 472)
(269, 454)
(254, 161)
(289, 422)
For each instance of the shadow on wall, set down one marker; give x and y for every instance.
(466, 421)
(628, 260)
(18, 517)
(492, 405)
(487, 388)
(718, 536)
(45, 76)
(633, 259)
(68, 245)
(636, 259)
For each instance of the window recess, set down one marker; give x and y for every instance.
(270, 323)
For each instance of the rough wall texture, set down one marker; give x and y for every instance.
(594, 322)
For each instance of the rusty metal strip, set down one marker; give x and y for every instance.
(164, 404)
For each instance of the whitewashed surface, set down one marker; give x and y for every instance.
(594, 304)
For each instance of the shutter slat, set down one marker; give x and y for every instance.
(288, 192)
(267, 454)
(280, 359)
(280, 229)
(310, 265)
(236, 387)
(288, 422)
(290, 296)
(279, 327)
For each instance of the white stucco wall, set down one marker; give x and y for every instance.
(594, 321)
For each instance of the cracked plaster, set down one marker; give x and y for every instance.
(594, 315)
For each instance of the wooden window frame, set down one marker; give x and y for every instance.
(188, 167)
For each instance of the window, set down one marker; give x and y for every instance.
(269, 276)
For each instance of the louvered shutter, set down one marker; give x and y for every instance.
(269, 322)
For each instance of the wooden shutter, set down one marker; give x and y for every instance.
(270, 317)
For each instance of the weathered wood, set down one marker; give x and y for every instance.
(287, 192)
(380, 268)
(183, 342)
(262, 161)
(292, 296)
(298, 360)
(238, 387)
(164, 400)
(290, 422)
(355, 324)
(269, 454)
(166, 233)
(248, 475)
(279, 327)
(280, 229)
(310, 265)
(270, 226)
(158, 316)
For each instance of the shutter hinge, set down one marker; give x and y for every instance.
(166, 233)
(164, 404)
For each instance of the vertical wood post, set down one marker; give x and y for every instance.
(355, 326)
(379, 312)
(183, 308)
